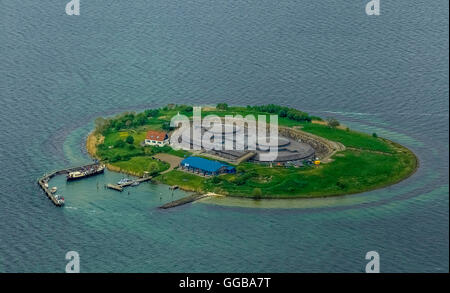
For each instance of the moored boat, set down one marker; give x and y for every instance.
(123, 181)
(59, 199)
(93, 170)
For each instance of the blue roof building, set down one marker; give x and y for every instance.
(205, 166)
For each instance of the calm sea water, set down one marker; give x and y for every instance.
(386, 74)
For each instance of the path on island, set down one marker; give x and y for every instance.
(173, 161)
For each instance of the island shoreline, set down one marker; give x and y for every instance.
(93, 140)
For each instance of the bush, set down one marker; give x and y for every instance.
(374, 135)
(222, 106)
(153, 168)
(332, 122)
(129, 139)
(257, 192)
(115, 158)
(186, 109)
(240, 180)
(215, 180)
(341, 185)
(166, 126)
(151, 112)
(290, 113)
(119, 144)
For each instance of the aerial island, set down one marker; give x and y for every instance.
(316, 157)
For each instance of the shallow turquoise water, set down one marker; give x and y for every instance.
(387, 75)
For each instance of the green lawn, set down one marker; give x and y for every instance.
(349, 138)
(184, 180)
(351, 172)
(138, 165)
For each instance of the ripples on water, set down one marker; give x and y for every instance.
(387, 75)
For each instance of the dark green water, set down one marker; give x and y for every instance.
(386, 74)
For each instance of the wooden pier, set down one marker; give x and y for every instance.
(120, 187)
(43, 181)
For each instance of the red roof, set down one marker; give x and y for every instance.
(156, 135)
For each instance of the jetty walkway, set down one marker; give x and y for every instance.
(43, 181)
(120, 187)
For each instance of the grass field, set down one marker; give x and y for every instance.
(184, 180)
(349, 138)
(138, 165)
(351, 172)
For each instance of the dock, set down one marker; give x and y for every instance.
(120, 187)
(43, 181)
(115, 187)
(183, 201)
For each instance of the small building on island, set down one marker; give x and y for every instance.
(158, 138)
(205, 167)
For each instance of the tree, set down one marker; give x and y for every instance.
(166, 126)
(332, 122)
(222, 106)
(129, 139)
(119, 144)
(257, 192)
(151, 112)
(153, 168)
(215, 180)
(374, 135)
(101, 124)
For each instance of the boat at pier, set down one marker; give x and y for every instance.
(85, 172)
(124, 181)
(59, 199)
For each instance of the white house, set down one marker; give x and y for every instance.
(159, 138)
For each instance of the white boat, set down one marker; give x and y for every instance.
(59, 199)
(53, 189)
(124, 180)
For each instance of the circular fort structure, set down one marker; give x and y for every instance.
(236, 144)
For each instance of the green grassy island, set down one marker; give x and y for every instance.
(362, 162)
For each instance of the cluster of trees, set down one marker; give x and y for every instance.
(282, 111)
(131, 119)
(222, 106)
(123, 121)
(332, 122)
(183, 109)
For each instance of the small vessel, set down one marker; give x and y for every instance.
(53, 189)
(75, 175)
(124, 180)
(46, 184)
(59, 199)
(135, 183)
(86, 172)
